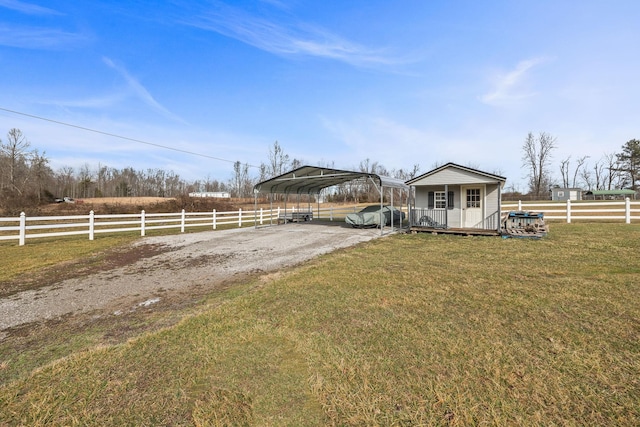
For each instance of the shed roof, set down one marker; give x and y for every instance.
(312, 179)
(469, 172)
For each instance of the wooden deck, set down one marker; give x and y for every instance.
(458, 231)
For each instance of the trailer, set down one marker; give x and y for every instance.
(524, 224)
(297, 216)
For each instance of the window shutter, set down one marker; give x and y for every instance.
(430, 200)
(450, 200)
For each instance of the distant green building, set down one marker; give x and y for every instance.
(610, 194)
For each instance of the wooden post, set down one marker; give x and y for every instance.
(214, 219)
(568, 211)
(23, 228)
(240, 218)
(142, 223)
(182, 221)
(91, 224)
(627, 211)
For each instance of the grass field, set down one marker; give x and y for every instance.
(405, 330)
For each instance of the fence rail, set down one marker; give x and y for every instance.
(24, 227)
(569, 211)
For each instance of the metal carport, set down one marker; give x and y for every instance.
(310, 180)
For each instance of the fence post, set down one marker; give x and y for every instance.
(23, 228)
(261, 217)
(182, 222)
(142, 223)
(91, 224)
(331, 213)
(627, 210)
(568, 211)
(519, 205)
(214, 219)
(240, 217)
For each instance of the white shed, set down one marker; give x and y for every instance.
(456, 199)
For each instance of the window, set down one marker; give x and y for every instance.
(473, 198)
(439, 201)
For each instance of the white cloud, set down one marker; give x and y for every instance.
(141, 92)
(293, 38)
(511, 86)
(38, 38)
(27, 8)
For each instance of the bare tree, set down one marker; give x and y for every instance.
(15, 151)
(564, 171)
(587, 178)
(581, 161)
(613, 178)
(278, 160)
(42, 174)
(241, 183)
(536, 159)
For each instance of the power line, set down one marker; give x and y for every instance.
(120, 136)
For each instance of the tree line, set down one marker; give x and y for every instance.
(612, 171)
(27, 180)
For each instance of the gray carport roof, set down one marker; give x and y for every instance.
(312, 179)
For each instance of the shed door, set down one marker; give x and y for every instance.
(472, 207)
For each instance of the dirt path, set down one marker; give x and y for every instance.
(178, 264)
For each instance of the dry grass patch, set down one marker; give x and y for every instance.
(405, 330)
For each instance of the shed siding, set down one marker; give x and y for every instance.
(492, 200)
(453, 215)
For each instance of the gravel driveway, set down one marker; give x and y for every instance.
(179, 263)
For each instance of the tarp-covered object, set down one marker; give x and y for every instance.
(371, 216)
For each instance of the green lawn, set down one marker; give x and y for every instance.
(405, 330)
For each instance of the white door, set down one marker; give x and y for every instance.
(472, 207)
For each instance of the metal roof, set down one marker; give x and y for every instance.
(312, 179)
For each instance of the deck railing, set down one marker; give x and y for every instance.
(432, 218)
(438, 218)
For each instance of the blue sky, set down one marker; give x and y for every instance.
(399, 83)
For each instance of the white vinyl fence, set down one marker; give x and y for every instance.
(23, 227)
(614, 210)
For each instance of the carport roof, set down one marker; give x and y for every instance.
(312, 179)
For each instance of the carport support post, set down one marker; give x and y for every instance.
(382, 220)
(255, 209)
(286, 196)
